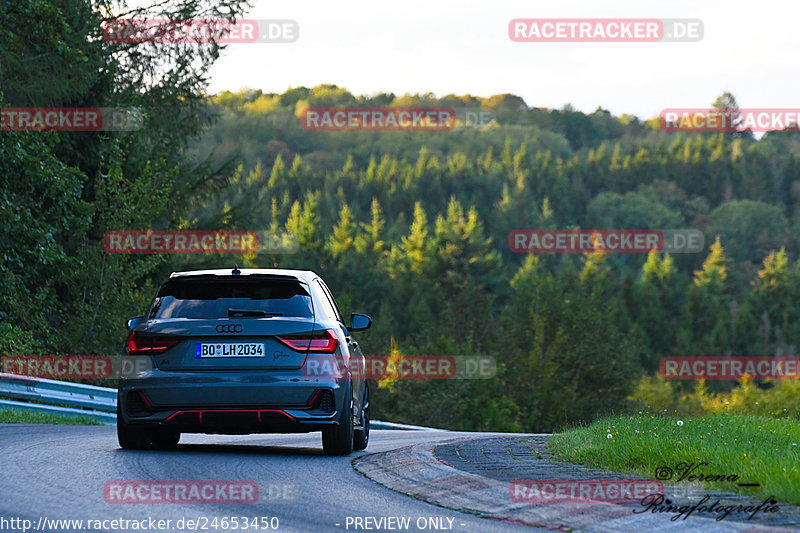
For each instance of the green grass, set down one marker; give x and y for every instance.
(12, 416)
(758, 449)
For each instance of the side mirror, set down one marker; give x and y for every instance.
(133, 322)
(359, 322)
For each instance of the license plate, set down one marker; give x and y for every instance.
(229, 349)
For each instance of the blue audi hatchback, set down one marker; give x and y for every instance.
(230, 352)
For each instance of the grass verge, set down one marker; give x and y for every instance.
(12, 416)
(756, 449)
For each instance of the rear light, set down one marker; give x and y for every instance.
(322, 342)
(141, 345)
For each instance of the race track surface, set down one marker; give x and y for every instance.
(60, 472)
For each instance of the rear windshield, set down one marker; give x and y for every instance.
(212, 298)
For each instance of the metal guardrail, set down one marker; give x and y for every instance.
(378, 424)
(99, 403)
(108, 418)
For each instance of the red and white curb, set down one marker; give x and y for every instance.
(414, 471)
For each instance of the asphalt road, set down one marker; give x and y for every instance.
(60, 472)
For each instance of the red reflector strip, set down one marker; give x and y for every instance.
(145, 400)
(259, 412)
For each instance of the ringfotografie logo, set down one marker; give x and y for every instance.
(657, 503)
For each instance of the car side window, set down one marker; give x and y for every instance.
(327, 307)
(331, 302)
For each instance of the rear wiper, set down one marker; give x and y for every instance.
(251, 312)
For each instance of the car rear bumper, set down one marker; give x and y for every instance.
(232, 402)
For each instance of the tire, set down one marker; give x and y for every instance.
(361, 436)
(142, 437)
(338, 439)
(165, 439)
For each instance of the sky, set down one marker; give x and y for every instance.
(462, 47)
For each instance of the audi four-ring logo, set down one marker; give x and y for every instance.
(229, 328)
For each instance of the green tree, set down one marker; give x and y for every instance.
(750, 230)
(61, 192)
(707, 330)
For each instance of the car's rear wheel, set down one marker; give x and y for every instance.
(338, 439)
(361, 436)
(141, 437)
(165, 439)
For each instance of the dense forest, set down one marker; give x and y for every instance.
(408, 227)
